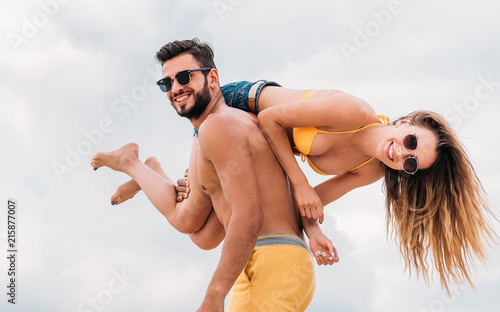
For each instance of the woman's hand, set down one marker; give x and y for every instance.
(323, 249)
(182, 188)
(309, 203)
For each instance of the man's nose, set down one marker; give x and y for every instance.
(176, 86)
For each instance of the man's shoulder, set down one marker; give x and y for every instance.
(228, 125)
(228, 131)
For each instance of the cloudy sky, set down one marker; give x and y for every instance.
(77, 77)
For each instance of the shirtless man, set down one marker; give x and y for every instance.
(237, 174)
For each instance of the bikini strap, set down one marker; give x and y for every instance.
(350, 131)
(307, 95)
(304, 157)
(384, 119)
(357, 167)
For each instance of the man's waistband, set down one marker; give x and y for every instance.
(280, 239)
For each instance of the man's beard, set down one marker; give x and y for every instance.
(201, 101)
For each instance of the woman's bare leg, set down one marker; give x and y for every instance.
(272, 96)
(128, 189)
(208, 237)
(185, 217)
(117, 160)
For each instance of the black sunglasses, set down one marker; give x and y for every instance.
(410, 142)
(183, 78)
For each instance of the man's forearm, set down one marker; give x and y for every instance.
(160, 190)
(239, 243)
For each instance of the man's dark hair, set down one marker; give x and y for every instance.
(202, 52)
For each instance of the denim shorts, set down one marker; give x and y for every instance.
(236, 94)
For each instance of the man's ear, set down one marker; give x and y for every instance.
(213, 78)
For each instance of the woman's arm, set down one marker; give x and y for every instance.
(308, 202)
(320, 245)
(337, 112)
(336, 187)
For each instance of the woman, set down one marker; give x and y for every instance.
(434, 200)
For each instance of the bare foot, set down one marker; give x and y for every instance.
(128, 190)
(118, 159)
(125, 192)
(154, 164)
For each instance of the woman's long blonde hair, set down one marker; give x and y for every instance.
(440, 212)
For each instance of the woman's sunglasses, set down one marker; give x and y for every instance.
(410, 142)
(183, 78)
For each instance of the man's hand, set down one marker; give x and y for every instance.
(211, 305)
(323, 249)
(182, 188)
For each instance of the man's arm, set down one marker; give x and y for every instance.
(210, 235)
(238, 180)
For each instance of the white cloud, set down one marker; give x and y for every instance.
(14, 113)
(91, 53)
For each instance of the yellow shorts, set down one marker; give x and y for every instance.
(280, 276)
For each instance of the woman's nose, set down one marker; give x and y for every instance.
(401, 152)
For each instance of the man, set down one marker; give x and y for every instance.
(236, 174)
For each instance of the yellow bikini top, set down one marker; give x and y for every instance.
(303, 138)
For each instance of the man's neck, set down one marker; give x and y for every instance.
(216, 102)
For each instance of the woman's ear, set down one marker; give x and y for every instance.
(402, 122)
